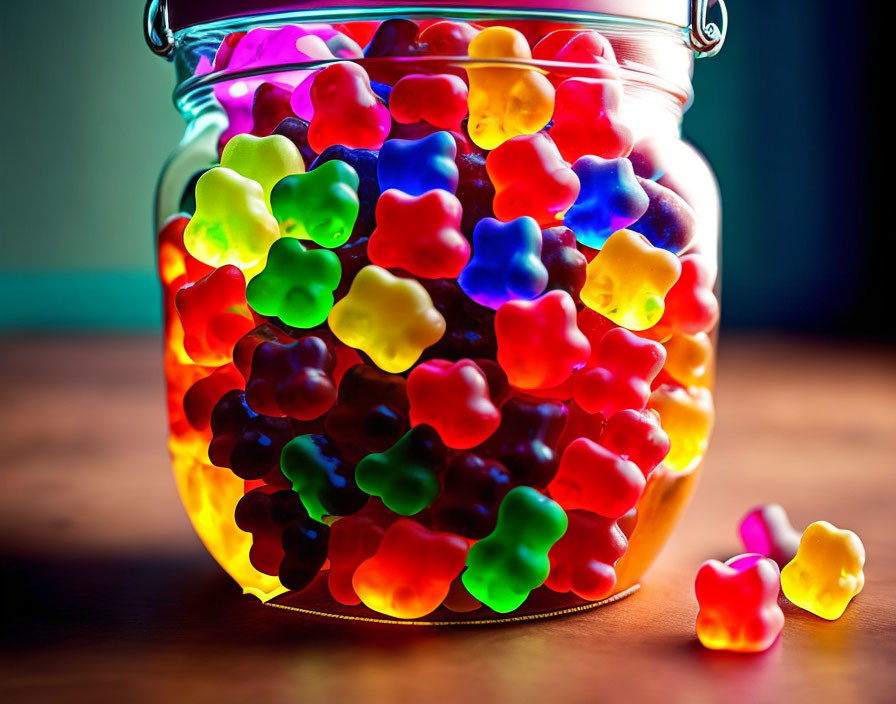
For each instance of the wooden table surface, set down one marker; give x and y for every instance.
(110, 596)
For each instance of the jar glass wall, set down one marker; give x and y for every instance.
(440, 304)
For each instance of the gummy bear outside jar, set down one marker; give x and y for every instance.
(440, 294)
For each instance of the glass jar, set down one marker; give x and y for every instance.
(440, 291)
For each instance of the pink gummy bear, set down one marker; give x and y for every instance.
(627, 364)
(766, 530)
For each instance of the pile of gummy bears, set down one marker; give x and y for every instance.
(430, 330)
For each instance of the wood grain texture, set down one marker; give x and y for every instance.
(111, 597)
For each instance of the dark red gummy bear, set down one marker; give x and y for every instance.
(474, 191)
(583, 560)
(201, 397)
(526, 440)
(295, 129)
(246, 442)
(371, 411)
(293, 379)
(473, 488)
(270, 108)
(304, 553)
(245, 348)
(566, 265)
(470, 327)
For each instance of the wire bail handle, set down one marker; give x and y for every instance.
(707, 37)
(156, 30)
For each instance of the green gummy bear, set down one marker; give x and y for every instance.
(321, 205)
(506, 565)
(296, 284)
(404, 476)
(266, 160)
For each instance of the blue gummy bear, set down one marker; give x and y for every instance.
(364, 162)
(610, 199)
(382, 91)
(416, 166)
(506, 263)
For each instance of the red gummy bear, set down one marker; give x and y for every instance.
(447, 38)
(583, 560)
(626, 366)
(245, 348)
(440, 100)
(586, 120)
(580, 47)
(691, 305)
(346, 110)
(539, 344)
(411, 572)
(739, 604)
(176, 265)
(353, 539)
(637, 436)
(201, 397)
(596, 479)
(453, 397)
(531, 178)
(214, 314)
(292, 379)
(269, 108)
(420, 234)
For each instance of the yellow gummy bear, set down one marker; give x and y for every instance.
(689, 359)
(265, 160)
(628, 280)
(687, 416)
(827, 571)
(232, 224)
(391, 319)
(505, 101)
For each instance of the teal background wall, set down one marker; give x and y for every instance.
(786, 113)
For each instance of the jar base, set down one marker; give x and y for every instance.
(542, 604)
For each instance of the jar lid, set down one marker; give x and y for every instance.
(164, 17)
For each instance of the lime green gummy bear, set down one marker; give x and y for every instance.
(321, 205)
(266, 160)
(506, 565)
(296, 284)
(404, 476)
(231, 224)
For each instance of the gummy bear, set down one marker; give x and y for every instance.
(586, 120)
(321, 205)
(411, 571)
(265, 160)
(323, 480)
(473, 488)
(346, 110)
(827, 571)
(391, 319)
(691, 306)
(420, 234)
(394, 37)
(583, 560)
(371, 410)
(201, 397)
(231, 224)
(364, 162)
(295, 285)
(246, 442)
(469, 330)
(352, 540)
(689, 360)
(506, 262)
(668, 221)
(214, 315)
(304, 553)
(687, 416)
(628, 280)
(526, 438)
(738, 604)
(454, 399)
(531, 178)
(766, 530)
(590, 51)
(440, 100)
(405, 476)
(566, 265)
(505, 101)
(610, 199)
(270, 107)
(539, 343)
(504, 567)
(416, 166)
(245, 347)
(636, 436)
(292, 379)
(474, 191)
(447, 38)
(295, 129)
(626, 366)
(353, 257)
(593, 478)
